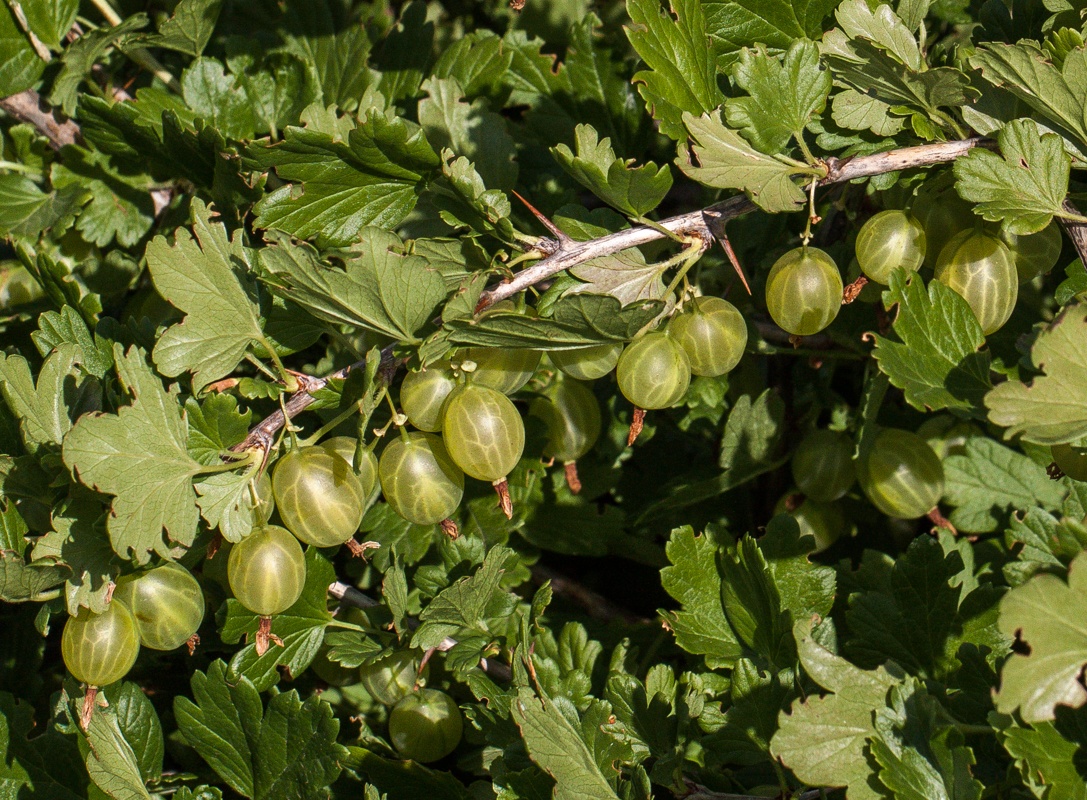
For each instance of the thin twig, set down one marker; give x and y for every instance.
(711, 221)
(28, 106)
(596, 605)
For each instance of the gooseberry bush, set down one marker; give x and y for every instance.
(524, 399)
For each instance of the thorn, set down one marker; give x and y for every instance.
(505, 502)
(551, 226)
(853, 290)
(450, 529)
(636, 424)
(572, 479)
(727, 245)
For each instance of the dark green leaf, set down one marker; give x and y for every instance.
(939, 359)
(784, 95)
(189, 27)
(370, 179)
(681, 76)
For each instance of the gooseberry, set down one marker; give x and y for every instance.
(887, 241)
(425, 726)
(423, 393)
(392, 678)
(981, 269)
(901, 475)
(823, 465)
(504, 369)
(319, 497)
(167, 603)
(654, 371)
(804, 291)
(712, 333)
(483, 431)
(587, 363)
(267, 570)
(99, 649)
(419, 479)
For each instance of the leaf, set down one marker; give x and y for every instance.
(189, 27)
(919, 618)
(215, 425)
(700, 626)
(205, 277)
(404, 780)
(624, 276)
(726, 161)
(759, 591)
(223, 723)
(380, 288)
(557, 747)
(112, 763)
(21, 582)
(635, 191)
(297, 752)
(30, 212)
(79, 541)
(463, 199)
(82, 54)
(120, 206)
(939, 361)
(370, 179)
(1045, 758)
(1074, 285)
(51, 19)
(988, 481)
(1053, 408)
(47, 766)
(859, 112)
(20, 66)
(226, 502)
(218, 98)
(1024, 186)
(336, 57)
(301, 627)
(823, 740)
(921, 755)
(139, 724)
(749, 447)
(42, 407)
(681, 77)
(882, 27)
(1057, 95)
(577, 321)
(784, 95)
(139, 455)
(1047, 615)
(469, 131)
(736, 24)
(95, 354)
(462, 606)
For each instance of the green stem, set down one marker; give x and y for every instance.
(141, 57)
(256, 362)
(799, 136)
(336, 420)
(688, 258)
(659, 228)
(289, 380)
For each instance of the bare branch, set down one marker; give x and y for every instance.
(711, 221)
(28, 106)
(1077, 231)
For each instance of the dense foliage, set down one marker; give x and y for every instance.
(547, 399)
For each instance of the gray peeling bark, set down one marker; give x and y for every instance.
(29, 107)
